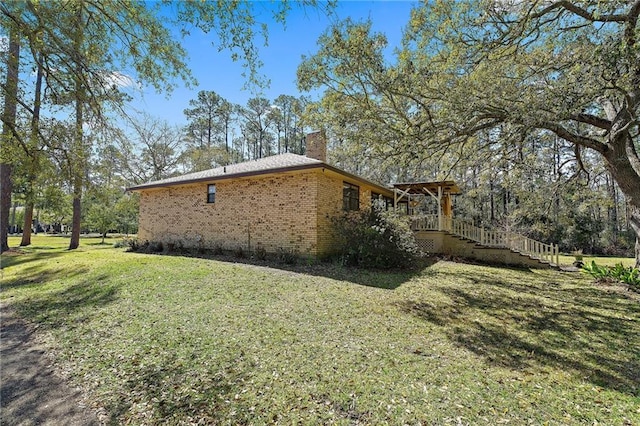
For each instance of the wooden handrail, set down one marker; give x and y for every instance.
(490, 238)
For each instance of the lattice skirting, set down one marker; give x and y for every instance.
(427, 245)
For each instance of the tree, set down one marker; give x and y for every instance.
(8, 133)
(569, 68)
(207, 132)
(153, 150)
(286, 115)
(256, 126)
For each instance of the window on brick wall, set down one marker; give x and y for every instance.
(350, 196)
(211, 193)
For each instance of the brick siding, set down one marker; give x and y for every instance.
(290, 211)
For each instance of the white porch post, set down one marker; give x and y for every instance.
(438, 199)
(439, 208)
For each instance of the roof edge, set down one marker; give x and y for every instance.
(319, 165)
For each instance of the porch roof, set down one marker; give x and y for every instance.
(448, 187)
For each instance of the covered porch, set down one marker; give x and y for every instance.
(430, 204)
(430, 208)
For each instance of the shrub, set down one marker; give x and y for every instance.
(260, 253)
(286, 256)
(619, 272)
(132, 244)
(239, 252)
(156, 246)
(376, 238)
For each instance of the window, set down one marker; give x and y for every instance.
(350, 196)
(211, 193)
(388, 202)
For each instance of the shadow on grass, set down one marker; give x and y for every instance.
(72, 304)
(19, 258)
(172, 391)
(581, 329)
(383, 279)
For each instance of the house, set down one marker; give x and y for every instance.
(282, 202)
(287, 202)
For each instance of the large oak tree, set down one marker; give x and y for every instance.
(570, 68)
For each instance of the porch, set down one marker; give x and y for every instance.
(430, 207)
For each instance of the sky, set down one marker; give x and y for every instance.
(216, 71)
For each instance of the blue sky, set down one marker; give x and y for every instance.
(216, 71)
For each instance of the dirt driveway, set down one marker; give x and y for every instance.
(31, 393)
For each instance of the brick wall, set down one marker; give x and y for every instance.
(285, 211)
(272, 212)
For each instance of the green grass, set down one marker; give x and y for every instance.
(174, 340)
(600, 260)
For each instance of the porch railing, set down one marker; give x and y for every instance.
(488, 238)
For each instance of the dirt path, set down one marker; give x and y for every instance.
(30, 391)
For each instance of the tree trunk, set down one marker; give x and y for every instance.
(77, 213)
(5, 204)
(8, 121)
(620, 163)
(28, 221)
(634, 221)
(33, 157)
(77, 153)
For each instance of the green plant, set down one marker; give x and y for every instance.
(286, 256)
(239, 252)
(618, 272)
(132, 244)
(376, 238)
(596, 271)
(578, 255)
(260, 253)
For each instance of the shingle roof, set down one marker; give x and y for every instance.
(273, 163)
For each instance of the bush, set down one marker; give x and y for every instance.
(131, 244)
(376, 239)
(156, 246)
(260, 253)
(619, 272)
(286, 256)
(239, 253)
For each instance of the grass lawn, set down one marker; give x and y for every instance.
(176, 340)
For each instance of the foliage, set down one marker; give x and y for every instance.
(286, 256)
(618, 272)
(172, 340)
(239, 252)
(130, 243)
(260, 253)
(482, 79)
(375, 238)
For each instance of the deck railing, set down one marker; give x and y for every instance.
(488, 238)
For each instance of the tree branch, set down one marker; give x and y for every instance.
(572, 137)
(583, 13)
(593, 120)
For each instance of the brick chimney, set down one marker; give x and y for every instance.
(317, 145)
